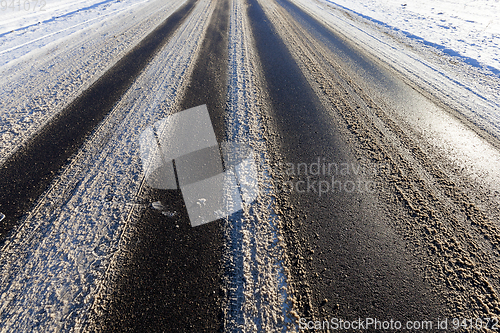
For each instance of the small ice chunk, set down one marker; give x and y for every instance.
(158, 205)
(2, 216)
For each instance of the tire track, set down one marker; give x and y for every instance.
(167, 275)
(48, 79)
(329, 238)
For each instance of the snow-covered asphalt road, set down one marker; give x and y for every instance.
(376, 162)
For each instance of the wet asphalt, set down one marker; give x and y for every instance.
(356, 267)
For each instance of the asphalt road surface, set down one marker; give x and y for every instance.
(360, 216)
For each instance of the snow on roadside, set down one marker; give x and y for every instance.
(15, 15)
(463, 28)
(25, 31)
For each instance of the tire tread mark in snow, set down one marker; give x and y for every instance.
(27, 173)
(174, 271)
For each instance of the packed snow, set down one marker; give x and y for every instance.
(55, 262)
(28, 26)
